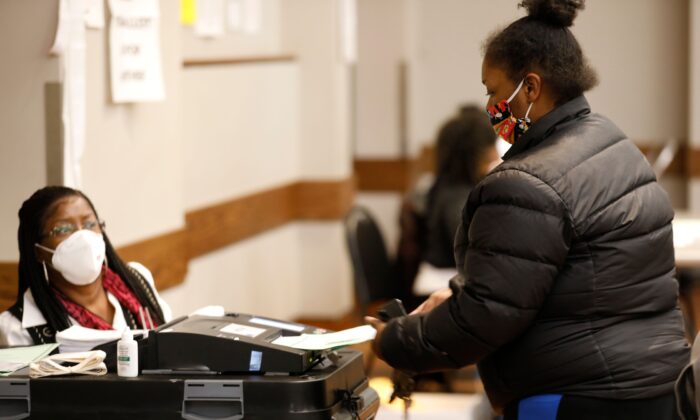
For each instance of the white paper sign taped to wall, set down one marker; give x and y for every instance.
(134, 43)
(210, 18)
(70, 46)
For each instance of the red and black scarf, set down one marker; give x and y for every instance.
(116, 286)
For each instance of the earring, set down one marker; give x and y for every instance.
(46, 272)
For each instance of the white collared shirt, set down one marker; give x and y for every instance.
(13, 332)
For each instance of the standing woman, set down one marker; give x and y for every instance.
(69, 273)
(566, 296)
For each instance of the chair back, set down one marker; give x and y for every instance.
(687, 386)
(372, 270)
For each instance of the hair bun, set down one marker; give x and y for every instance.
(555, 12)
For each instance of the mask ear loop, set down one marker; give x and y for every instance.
(46, 272)
(528, 110)
(520, 85)
(43, 263)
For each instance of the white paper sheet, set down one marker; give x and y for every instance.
(70, 46)
(95, 14)
(79, 339)
(244, 330)
(348, 29)
(14, 358)
(134, 49)
(210, 310)
(210, 18)
(330, 340)
(430, 279)
(252, 16)
(234, 15)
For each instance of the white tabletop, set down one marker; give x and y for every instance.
(686, 240)
(430, 279)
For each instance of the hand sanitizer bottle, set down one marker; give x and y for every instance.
(127, 355)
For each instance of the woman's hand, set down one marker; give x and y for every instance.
(434, 300)
(379, 326)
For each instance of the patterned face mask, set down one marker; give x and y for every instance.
(506, 126)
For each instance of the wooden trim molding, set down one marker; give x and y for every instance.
(220, 225)
(692, 163)
(8, 284)
(384, 174)
(223, 224)
(229, 61)
(165, 255)
(398, 175)
(680, 164)
(216, 226)
(323, 200)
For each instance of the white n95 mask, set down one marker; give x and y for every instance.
(80, 257)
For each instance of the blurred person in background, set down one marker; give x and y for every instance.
(431, 213)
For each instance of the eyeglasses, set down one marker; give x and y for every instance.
(65, 229)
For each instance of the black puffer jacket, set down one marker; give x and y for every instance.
(567, 272)
(443, 217)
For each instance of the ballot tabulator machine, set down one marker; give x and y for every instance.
(207, 367)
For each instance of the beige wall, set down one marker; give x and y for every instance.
(235, 44)
(227, 131)
(694, 97)
(241, 129)
(133, 163)
(25, 68)
(638, 47)
(222, 132)
(132, 166)
(245, 277)
(252, 127)
(381, 50)
(310, 29)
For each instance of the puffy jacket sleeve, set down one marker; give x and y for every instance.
(517, 240)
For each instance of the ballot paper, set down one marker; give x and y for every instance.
(210, 310)
(80, 339)
(329, 340)
(14, 358)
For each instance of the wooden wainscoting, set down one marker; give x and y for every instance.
(214, 227)
(8, 284)
(384, 174)
(165, 255)
(233, 61)
(323, 200)
(398, 175)
(692, 162)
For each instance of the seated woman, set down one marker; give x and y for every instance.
(465, 151)
(69, 274)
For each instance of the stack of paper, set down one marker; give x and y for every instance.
(79, 339)
(14, 358)
(330, 340)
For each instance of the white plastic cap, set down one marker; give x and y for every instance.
(127, 335)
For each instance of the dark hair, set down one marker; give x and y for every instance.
(32, 217)
(542, 42)
(461, 143)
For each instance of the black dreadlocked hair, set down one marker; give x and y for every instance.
(542, 42)
(33, 215)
